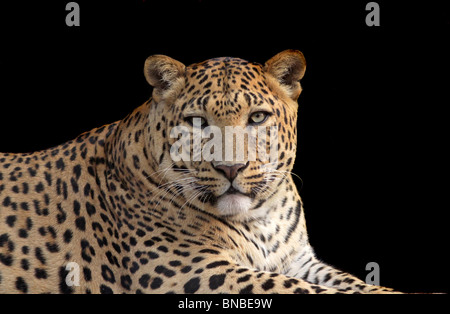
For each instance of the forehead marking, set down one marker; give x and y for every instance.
(231, 83)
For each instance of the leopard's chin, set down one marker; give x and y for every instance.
(233, 204)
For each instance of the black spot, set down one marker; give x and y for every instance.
(80, 222)
(40, 273)
(116, 247)
(39, 255)
(181, 253)
(125, 262)
(126, 282)
(143, 281)
(39, 187)
(6, 201)
(318, 289)
(337, 282)
(10, 220)
(163, 248)
(186, 269)
(244, 278)
(269, 284)
(23, 233)
(216, 281)
(87, 274)
(77, 171)
(133, 241)
(21, 285)
(149, 243)
(31, 171)
(105, 290)
(349, 280)
(68, 236)
(289, 282)
(65, 193)
(87, 189)
(42, 231)
(203, 79)
(174, 263)
(25, 264)
(63, 287)
(76, 208)
(6, 259)
(74, 185)
(165, 271)
(61, 216)
(52, 231)
(217, 264)
(134, 267)
(24, 206)
(52, 247)
(60, 164)
(156, 283)
(86, 251)
(197, 259)
(107, 274)
(301, 291)
(29, 223)
(48, 178)
(192, 285)
(4, 239)
(247, 290)
(24, 188)
(209, 251)
(90, 209)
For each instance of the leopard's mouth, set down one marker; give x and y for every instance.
(231, 202)
(234, 191)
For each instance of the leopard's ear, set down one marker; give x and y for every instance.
(288, 68)
(165, 74)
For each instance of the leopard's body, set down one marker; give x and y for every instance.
(113, 205)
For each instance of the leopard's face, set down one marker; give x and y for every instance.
(230, 134)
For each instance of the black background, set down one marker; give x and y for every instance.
(372, 116)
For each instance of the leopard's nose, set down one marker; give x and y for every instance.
(232, 171)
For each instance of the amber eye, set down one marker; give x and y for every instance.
(258, 117)
(197, 121)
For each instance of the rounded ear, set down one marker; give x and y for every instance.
(163, 73)
(288, 68)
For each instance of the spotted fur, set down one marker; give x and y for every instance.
(115, 203)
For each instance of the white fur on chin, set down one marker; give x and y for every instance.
(233, 204)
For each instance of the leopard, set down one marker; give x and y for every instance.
(112, 211)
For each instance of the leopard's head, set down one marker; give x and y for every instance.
(224, 130)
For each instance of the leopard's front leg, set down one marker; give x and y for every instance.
(307, 267)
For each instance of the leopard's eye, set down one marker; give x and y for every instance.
(258, 117)
(196, 121)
